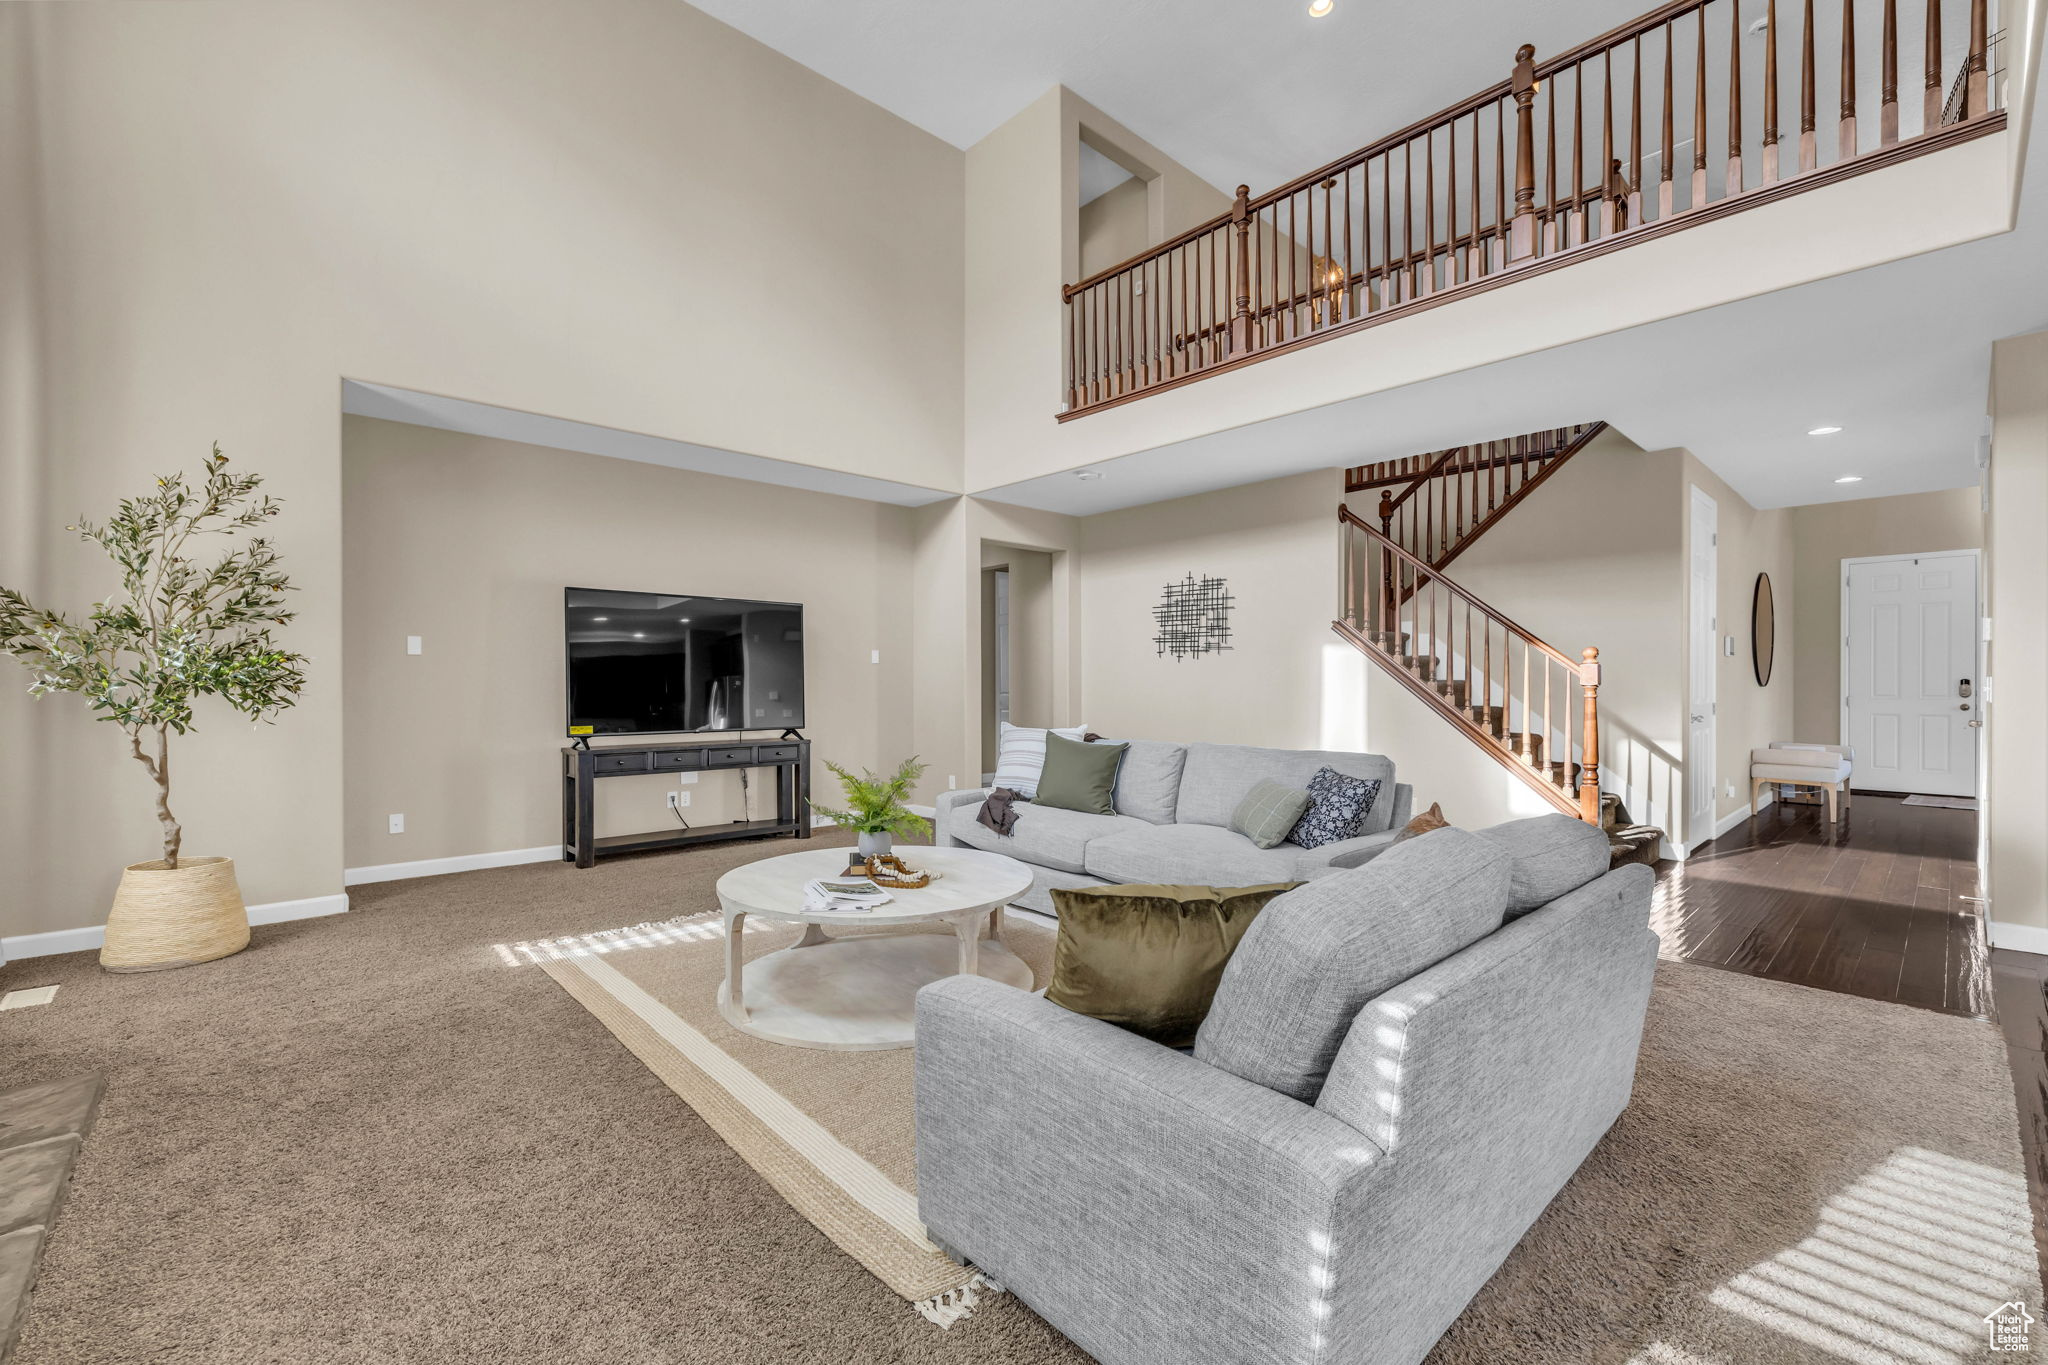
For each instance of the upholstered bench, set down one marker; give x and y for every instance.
(1826, 766)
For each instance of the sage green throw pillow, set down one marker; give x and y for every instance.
(1079, 776)
(1269, 812)
(1147, 958)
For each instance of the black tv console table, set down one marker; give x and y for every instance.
(582, 767)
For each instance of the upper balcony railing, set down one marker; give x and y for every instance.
(1672, 119)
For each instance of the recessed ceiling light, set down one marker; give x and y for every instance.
(1318, 8)
(1087, 475)
(1850, 478)
(1823, 431)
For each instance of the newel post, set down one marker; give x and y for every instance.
(1589, 766)
(1241, 316)
(1522, 233)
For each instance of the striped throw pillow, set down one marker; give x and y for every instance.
(1020, 756)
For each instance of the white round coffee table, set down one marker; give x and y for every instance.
(858, 993)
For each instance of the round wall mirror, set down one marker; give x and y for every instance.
(1763, 630)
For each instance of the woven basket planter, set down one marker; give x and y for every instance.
(173, 917)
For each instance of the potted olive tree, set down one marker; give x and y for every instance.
(176, 630)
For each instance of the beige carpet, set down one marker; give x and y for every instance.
(372, 1139)
(830, 1130)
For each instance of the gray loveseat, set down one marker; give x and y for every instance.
(1345, 1158)
(1174, 803)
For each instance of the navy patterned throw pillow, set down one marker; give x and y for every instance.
(1336, 808)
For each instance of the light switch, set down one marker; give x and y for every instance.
(412, 644)
(874, 656)
(398, 824)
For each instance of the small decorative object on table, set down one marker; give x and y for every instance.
(886, 869)
(874, 806)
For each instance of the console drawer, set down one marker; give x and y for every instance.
(741, 756)
(776, 753)
(629, 761)
(675, 759)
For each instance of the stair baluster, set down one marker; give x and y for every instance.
(1397, 608)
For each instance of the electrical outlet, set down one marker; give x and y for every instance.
(952, 782)
(412, 644)
(677, 800)
(398, 824)
(688, 777)
(874, 656)
(1731, 788)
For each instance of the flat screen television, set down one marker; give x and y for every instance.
(643, 663)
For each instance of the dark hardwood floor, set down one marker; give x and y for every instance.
(1879, 905)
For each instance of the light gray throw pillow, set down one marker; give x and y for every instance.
(1553, 855)
(1316, 955)
(1268, 813)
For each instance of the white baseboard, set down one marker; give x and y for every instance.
(435, 867)
(2024, 938)
(17, 946)
(89, 938)
(1721, 827)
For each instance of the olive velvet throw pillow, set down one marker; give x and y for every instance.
(1147, 958)
(1079, 776)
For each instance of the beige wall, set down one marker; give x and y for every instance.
(1114, 227)
(2016, 663)
(461, 540)
(1024, 241)
(1748, 716)
(24, 532)
(606, 211)
(1276, 545)
(1825, 534)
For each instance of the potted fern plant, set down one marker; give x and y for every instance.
(874, 806)
(175, 631)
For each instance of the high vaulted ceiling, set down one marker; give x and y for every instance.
(1252, 91)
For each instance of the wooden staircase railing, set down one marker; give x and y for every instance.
(1637, 133)
(1525, 703)
(1457, 495)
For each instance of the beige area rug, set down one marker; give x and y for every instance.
(1802, 1176)
(833, 1132)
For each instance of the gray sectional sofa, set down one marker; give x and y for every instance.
(1174, 803)
(1405, 1062)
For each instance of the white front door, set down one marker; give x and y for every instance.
(1702, 652)
(1911, 695)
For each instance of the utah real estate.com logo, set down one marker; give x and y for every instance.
(2005, 1327)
